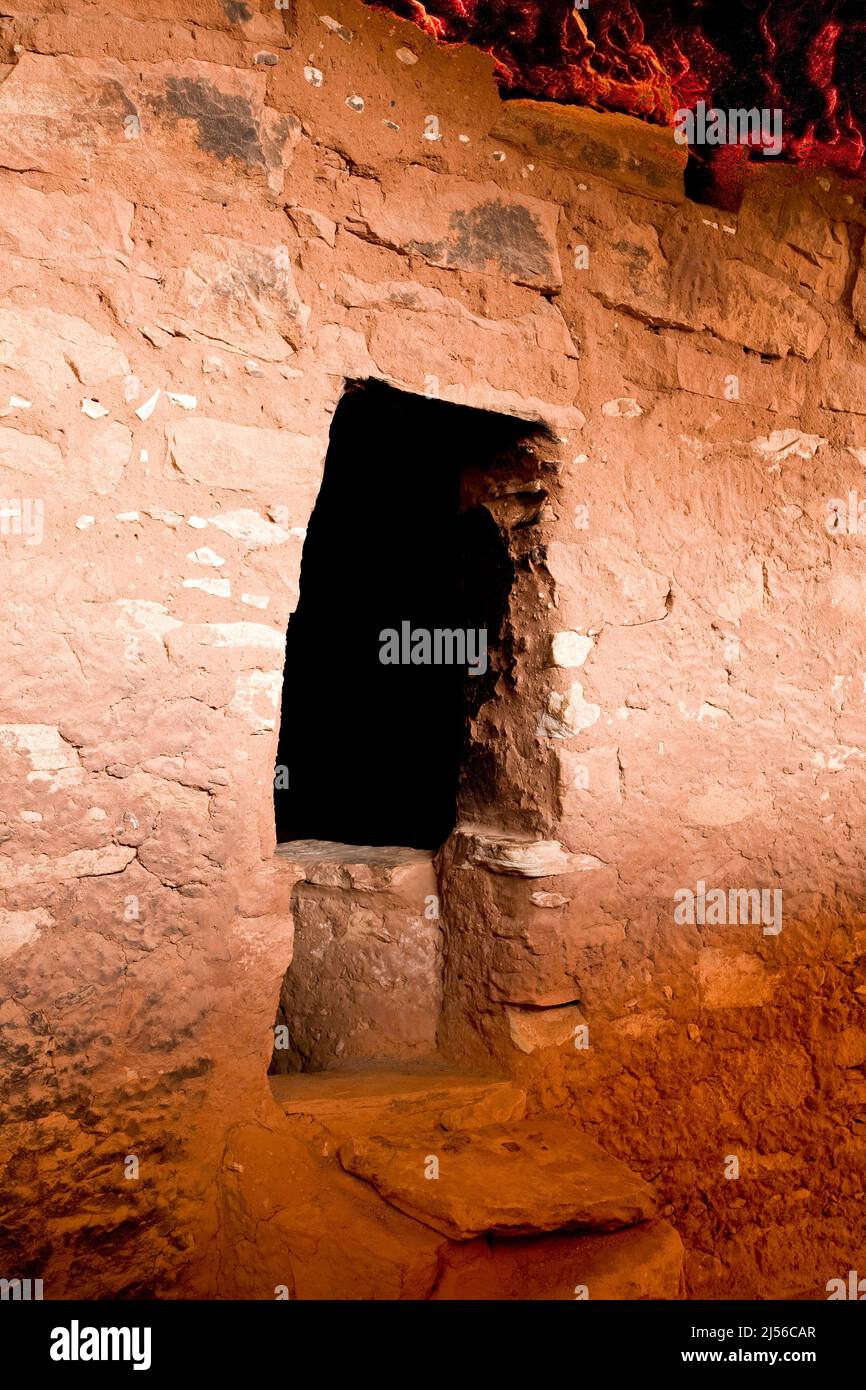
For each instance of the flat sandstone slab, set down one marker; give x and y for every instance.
(632, 154)
(352, 1101)
(363, 868)
(331, 852)
(519, 1179)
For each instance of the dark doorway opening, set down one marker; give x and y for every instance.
(372, 750)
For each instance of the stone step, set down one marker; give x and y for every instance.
(532, 1208)
(521, 1178)
(638, 1262)
(372, 1099)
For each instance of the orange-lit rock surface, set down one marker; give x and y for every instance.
(366, 973)
(211, 217)
(454, 1153)
(532, 1176)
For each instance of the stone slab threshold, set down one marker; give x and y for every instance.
(456, 1153)
(332, 852)
(408, 1103)
(359, 868)
(366, 1097)
(531, 1207)
(522, 1178)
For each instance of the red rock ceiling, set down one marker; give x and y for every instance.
(649, 58)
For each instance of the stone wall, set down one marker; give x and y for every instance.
(365, 981)
(211, 216)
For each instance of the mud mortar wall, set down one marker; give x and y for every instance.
(240, 208)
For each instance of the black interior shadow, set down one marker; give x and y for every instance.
(372, 751)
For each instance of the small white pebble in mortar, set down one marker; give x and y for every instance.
(145, 411)
(355, 103)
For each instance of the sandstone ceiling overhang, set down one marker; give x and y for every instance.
(650, 58)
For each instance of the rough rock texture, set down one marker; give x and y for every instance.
(641, 1262)
(637, 156)
(448, 1150)
(366, 973)
(535, 1175)
(355, 1100)
(196, 252)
